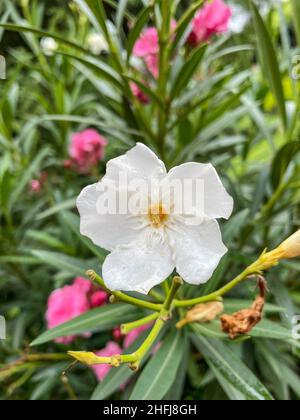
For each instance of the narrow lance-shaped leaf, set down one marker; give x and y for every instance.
(141, 21)
(269, 62)
(100, 68)
(187, 71)
(39, 32)
(99, 319)
(232, 368)
(160, 373)
(121, 11)
(296, 15)
(282, 160)
(63, 262)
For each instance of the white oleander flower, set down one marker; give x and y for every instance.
(97, 44)
(48, 46)
(149, 234)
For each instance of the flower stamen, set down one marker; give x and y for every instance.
(158, 215)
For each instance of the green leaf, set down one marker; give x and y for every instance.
(265, 329)
(19, 259)
(46, 238)
(160, 373)
(187, 71)
(98, 67)
(234, 305)
(27, 175)
(139, 25)
(65, 205)
(269, 62)
(73, 221)
(99, 319)
(117, 129)
(99, 12)
(121, 11)
(74, 266)
(212, 130)
(296, 16)
(185, 132)
(112, 382)
(259, 119)
(232, 393)
(227, 51)
(176, 391)
(282, 160)
(225, 361)
(272, 330)
(41, 33)
(94, 12)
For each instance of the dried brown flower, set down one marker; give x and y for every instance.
(242, 322)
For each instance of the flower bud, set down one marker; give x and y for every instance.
(290, 248)
(48, 46)
(97, 43)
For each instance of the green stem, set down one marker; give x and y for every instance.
(217, 295)
(163, 317)
(126, 328)
(122, 297)
(166, 287)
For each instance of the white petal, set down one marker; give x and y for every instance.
(138, 267)
(216, 201)
(106, 231)
(138, 163)
(197, 250)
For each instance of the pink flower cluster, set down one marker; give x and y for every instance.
(212, 19)
(147, 48)
(71, 301)
(86, 150)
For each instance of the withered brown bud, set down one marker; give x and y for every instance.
(242, 322)
(205, 312)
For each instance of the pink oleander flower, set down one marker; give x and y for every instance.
(35, 186)
(134, 334)
(147, 44)
(87, 149)
(71, 301)
(147, 48)
(111, 349)
(139, 94)
(98, 298)
(212, 19)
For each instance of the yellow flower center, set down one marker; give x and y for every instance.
(158, 215)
